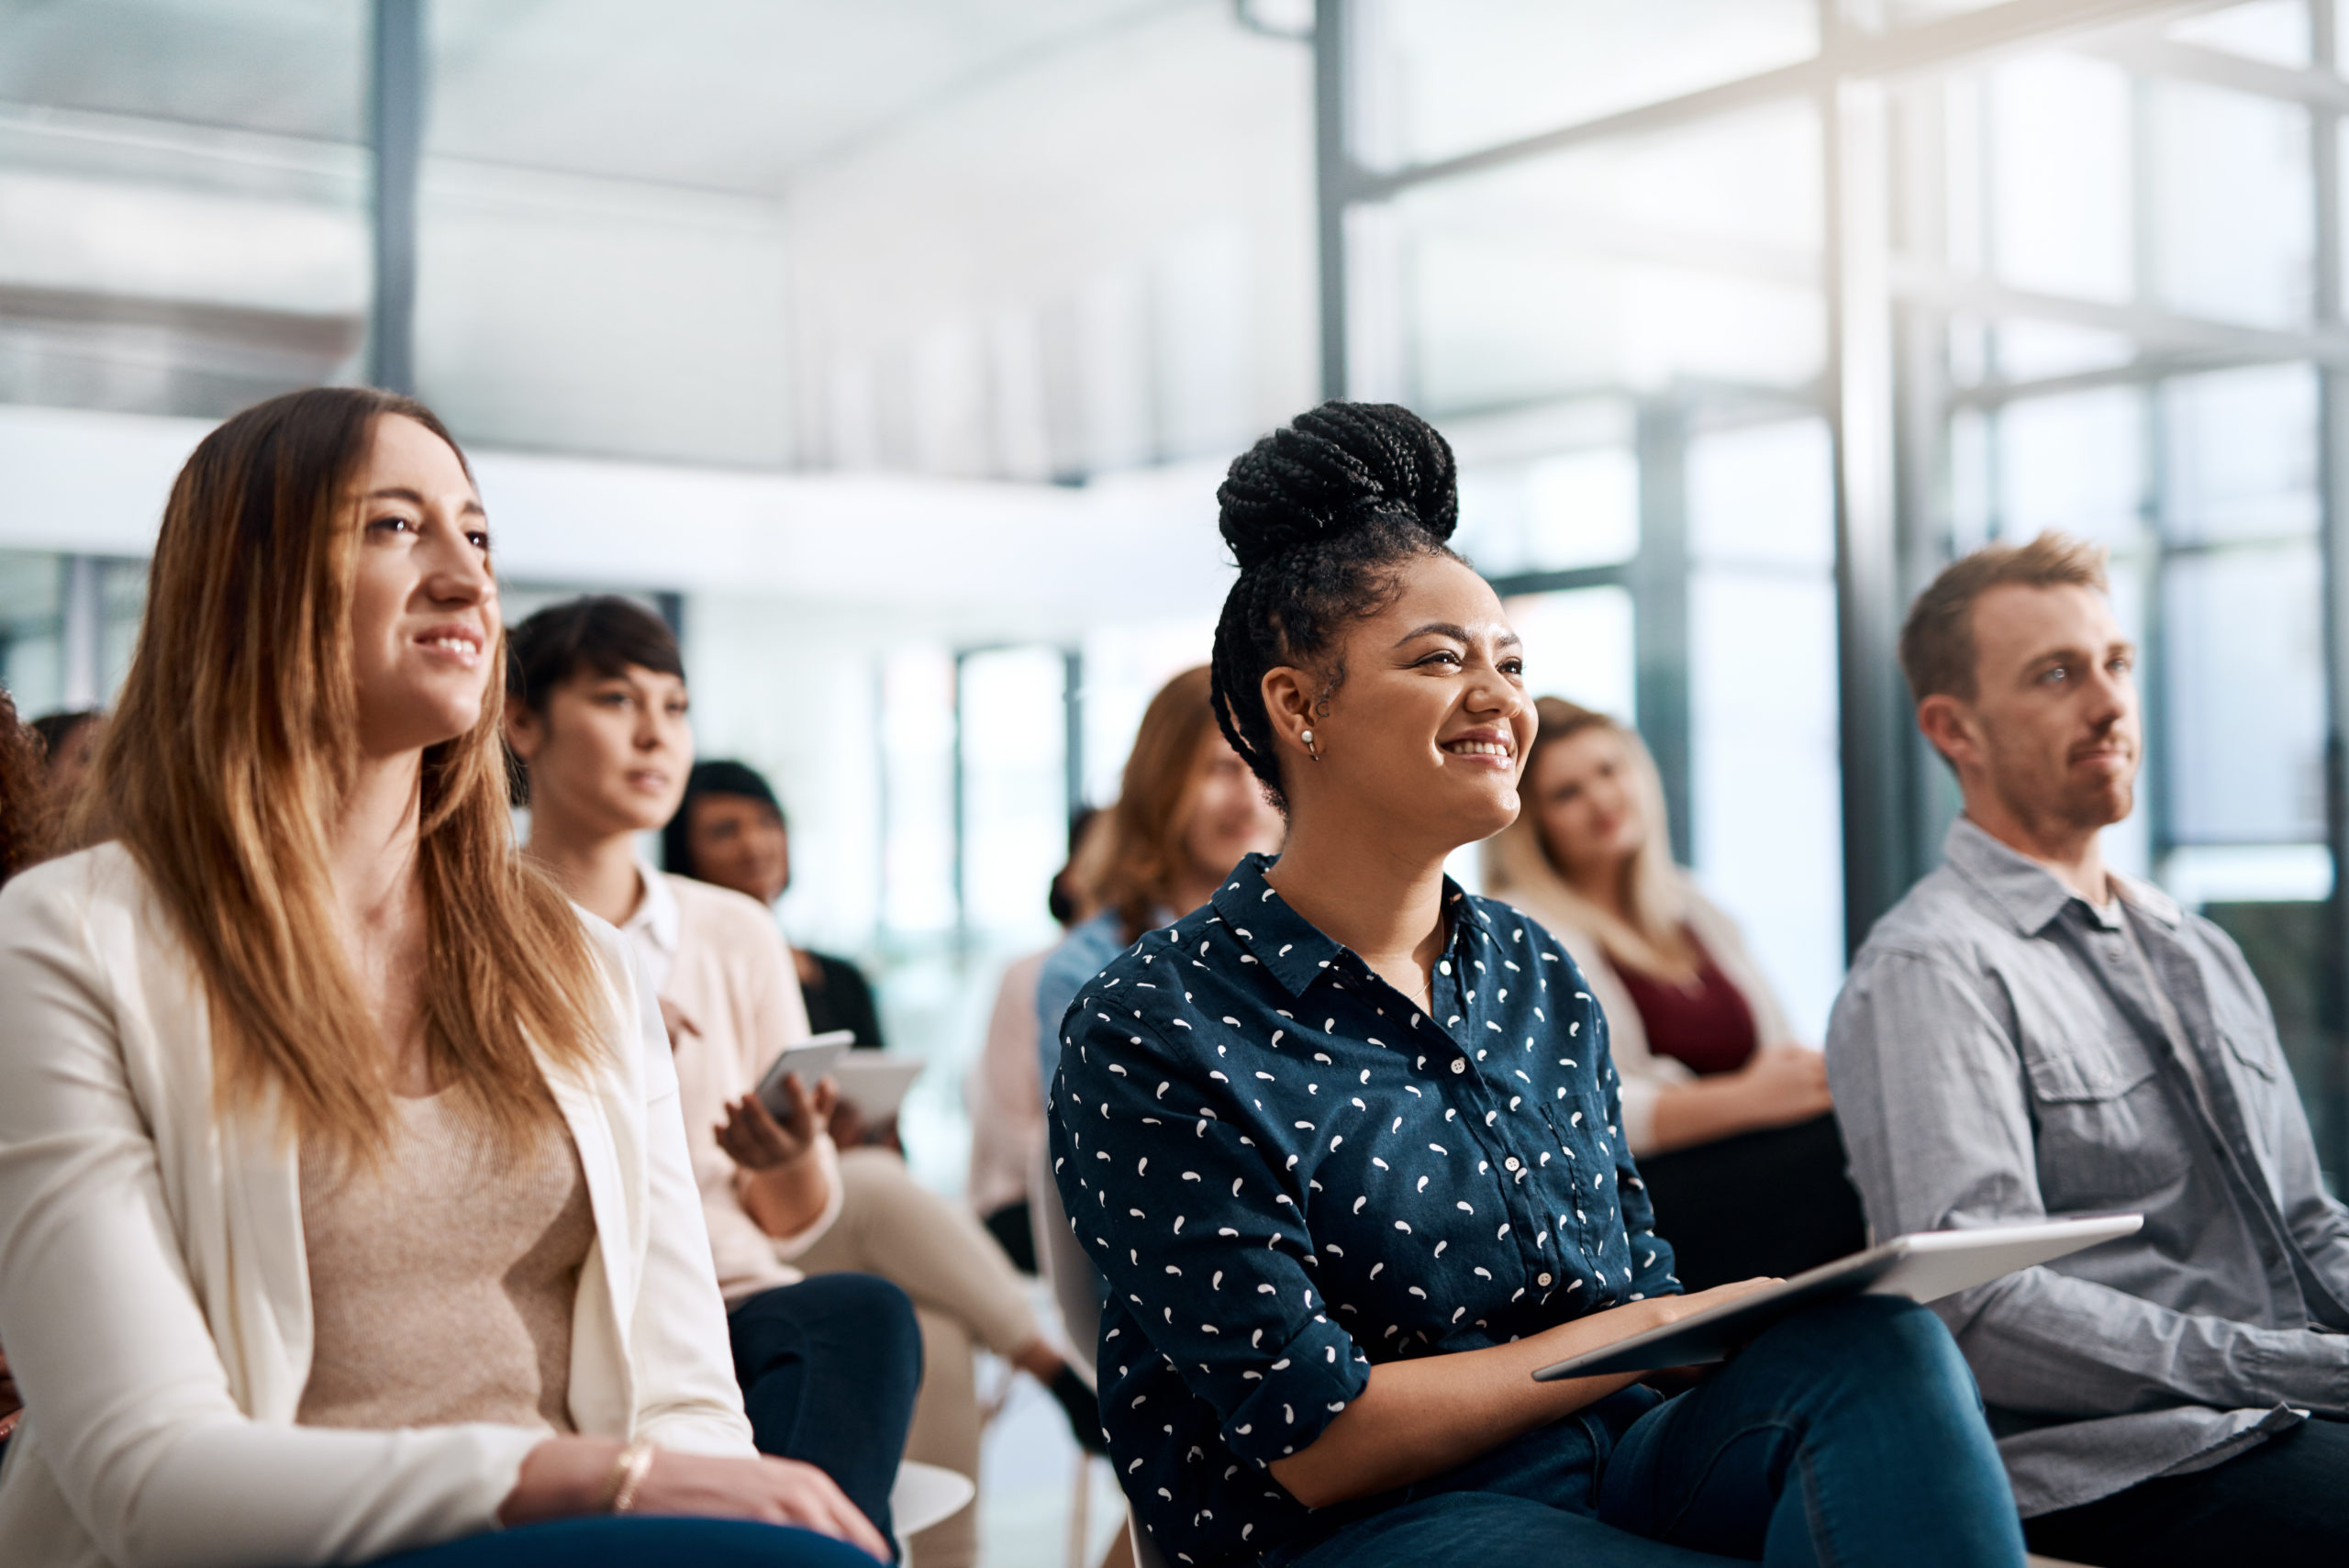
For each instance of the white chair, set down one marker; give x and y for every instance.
(922, 1496)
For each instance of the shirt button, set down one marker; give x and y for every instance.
(1510, 1164)
(1541, 1279)
(1460, 1064)
(1444, 967)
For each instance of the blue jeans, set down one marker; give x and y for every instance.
(1851, 1433)
(633, 1542)
(829, 1369)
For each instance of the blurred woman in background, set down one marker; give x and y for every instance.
(68, 745)
(731, 831)
(341, 1176)
(1727, 1113)
(1187, 810)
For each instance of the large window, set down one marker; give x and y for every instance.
(1746, 315)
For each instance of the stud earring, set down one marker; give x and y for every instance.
(1307, 738)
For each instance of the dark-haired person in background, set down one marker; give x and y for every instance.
(1726, 1113)
(1187, 809)
(731, 831)
(1344, 1142)
(345, 1208)
(69, 743)
(599, 721)
(2029, 1035)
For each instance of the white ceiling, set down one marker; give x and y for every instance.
(733, 94)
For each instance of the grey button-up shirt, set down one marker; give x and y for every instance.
(1998, 1054)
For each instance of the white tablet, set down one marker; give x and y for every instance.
(811, 1059)
(876, 1083)
(1923, 1267)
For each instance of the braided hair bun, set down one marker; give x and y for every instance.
(1323, 517)
(1336, 468)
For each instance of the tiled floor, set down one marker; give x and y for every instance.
(1027, 1470)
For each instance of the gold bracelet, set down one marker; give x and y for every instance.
(627, 1475)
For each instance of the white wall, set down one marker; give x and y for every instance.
(1100, 260)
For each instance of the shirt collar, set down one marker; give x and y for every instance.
(1292, 948)
(2031, 895)
(657, 917)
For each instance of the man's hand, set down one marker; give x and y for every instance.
(755, 1140)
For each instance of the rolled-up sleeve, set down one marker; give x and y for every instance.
(1929, 1089)
(1202, 1238)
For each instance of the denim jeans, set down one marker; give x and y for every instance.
(633, 1542)
(1851, 1433)
(2280, 1504)
(829, 1369)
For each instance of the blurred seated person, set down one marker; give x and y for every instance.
(344, 1203)
(2028, 1035)
(731, 832)
(1727, 1113)
(1187, 810)
(69, 744)
(1006, 1101)
(597, 716)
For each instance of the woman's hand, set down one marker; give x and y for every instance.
(780, 1187)
(774, 1491)
(755, 1140)
(567, 1477)
(1784, 1084)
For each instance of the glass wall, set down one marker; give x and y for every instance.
(1745, 315)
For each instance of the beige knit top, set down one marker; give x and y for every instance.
(443, 1278)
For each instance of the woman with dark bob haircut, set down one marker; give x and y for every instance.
(1344, 1142)
(342, 1187)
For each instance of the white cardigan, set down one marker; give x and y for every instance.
(154, 1298)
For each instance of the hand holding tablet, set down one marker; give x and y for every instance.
(810, 1058)
(1925, 1266)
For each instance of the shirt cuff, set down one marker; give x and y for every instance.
(1314, 1378)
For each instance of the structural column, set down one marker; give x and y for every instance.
(395, 129)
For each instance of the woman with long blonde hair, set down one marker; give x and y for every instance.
(342, 1186)
(1728, 1113)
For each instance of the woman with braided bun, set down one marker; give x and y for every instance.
(1344, 1141)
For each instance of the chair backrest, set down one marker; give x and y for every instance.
(1076, 1285)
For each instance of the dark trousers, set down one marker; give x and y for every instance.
(2283, 1503)
(1015, 1232)
(1850, 1434)
(1775, 1202)
(829, 1369)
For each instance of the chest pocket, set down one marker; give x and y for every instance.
(2107, 1134)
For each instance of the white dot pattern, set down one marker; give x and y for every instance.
(1286, 1171)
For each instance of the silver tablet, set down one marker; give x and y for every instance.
(811, 1059)
(1925, 1266)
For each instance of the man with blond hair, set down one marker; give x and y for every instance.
(2030, 1035)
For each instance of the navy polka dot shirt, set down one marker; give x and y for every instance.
(1287, 1171)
